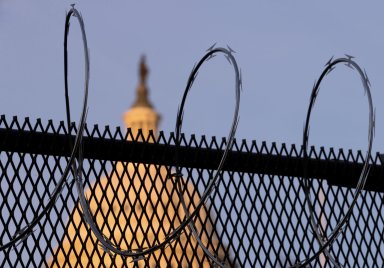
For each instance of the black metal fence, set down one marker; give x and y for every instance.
(256, 217)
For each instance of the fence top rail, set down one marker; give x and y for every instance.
(337, 167)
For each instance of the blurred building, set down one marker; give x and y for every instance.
(136, 206)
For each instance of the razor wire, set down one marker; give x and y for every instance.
(212, 51)
(106, 244)
(323, 240)
(24, 232)
(140, 253)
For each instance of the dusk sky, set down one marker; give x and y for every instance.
(281, 49)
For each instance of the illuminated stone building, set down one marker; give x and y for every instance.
(136, 206)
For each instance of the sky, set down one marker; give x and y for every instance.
(281, 48)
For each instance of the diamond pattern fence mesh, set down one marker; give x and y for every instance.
(255, 217)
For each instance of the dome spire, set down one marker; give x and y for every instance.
(142, 90)
(142, 114)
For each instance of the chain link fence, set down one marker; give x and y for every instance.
(255, 217)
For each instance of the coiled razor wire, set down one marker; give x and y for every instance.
(212, 51)
(324, 241)
(24, 232)
(106, 244)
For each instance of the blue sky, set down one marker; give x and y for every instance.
(281, 47)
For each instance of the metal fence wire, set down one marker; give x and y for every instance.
(255, 217)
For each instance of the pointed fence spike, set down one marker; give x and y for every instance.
(230, 49)
(330, 70)
(329, 62)
(349, 65)
(366, 78)
(314, 84)
(210, 57)
(349, 56)
(211, 47)
(228, 59)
